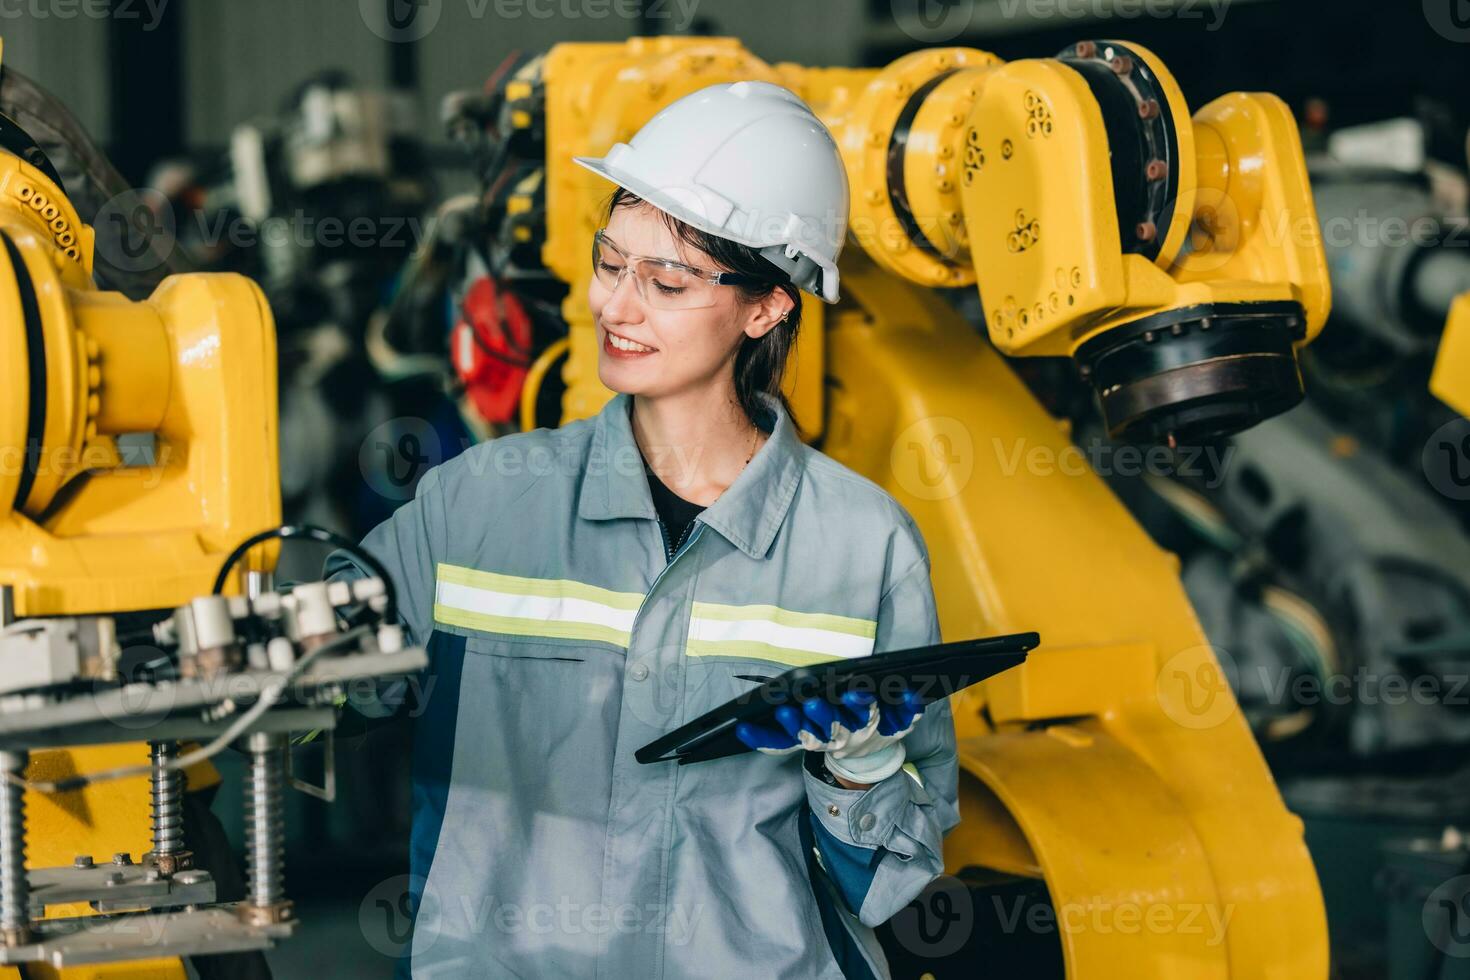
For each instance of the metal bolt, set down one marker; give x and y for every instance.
(1086, 49)
(1145, 231)
(1121, 65)
(1156, 170)
(122, 858)
(1148, 109)
(82, 861)
(832, 809)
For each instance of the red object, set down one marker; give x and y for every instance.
(490, 347)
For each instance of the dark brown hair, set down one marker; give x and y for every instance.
(760, 363)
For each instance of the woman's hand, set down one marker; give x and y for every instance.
(860, 736)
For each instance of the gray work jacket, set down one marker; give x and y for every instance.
(562, 638)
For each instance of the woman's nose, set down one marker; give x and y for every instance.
(624, 305)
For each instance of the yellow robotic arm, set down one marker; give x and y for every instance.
(1176, 259)
(194, 367)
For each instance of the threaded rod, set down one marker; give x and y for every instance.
(15, 914)
(166, 800)
(264, 821)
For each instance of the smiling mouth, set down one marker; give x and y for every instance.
(624, 344)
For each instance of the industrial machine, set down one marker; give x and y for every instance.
(1174, 259)
(139, 448)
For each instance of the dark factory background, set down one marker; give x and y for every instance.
(1349, 550)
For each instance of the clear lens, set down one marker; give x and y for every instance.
(607, 264)
(667, 287)
(661, 285)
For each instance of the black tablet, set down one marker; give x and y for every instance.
(933, 672)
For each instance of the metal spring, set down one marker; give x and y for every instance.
(264, 823)
(167, 799)
(14, 900)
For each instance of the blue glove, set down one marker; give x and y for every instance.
(861, 737)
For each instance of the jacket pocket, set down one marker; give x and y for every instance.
(711, 681)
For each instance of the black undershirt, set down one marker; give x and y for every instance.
(676, 512)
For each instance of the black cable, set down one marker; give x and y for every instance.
(315, 534)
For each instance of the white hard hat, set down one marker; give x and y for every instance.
(747, 161)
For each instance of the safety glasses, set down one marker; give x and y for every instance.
(662, 284)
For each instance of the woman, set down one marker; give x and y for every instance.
(584, 590)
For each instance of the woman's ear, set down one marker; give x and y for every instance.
(767, 313)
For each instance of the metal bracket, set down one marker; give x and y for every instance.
(328, 789)
(117, 886)
(143, 935)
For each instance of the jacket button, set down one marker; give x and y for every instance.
(867, 822)
(639, 672)
(832, 809)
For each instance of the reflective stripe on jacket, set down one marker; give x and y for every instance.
(562, 639)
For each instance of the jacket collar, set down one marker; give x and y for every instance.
(748, 514)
